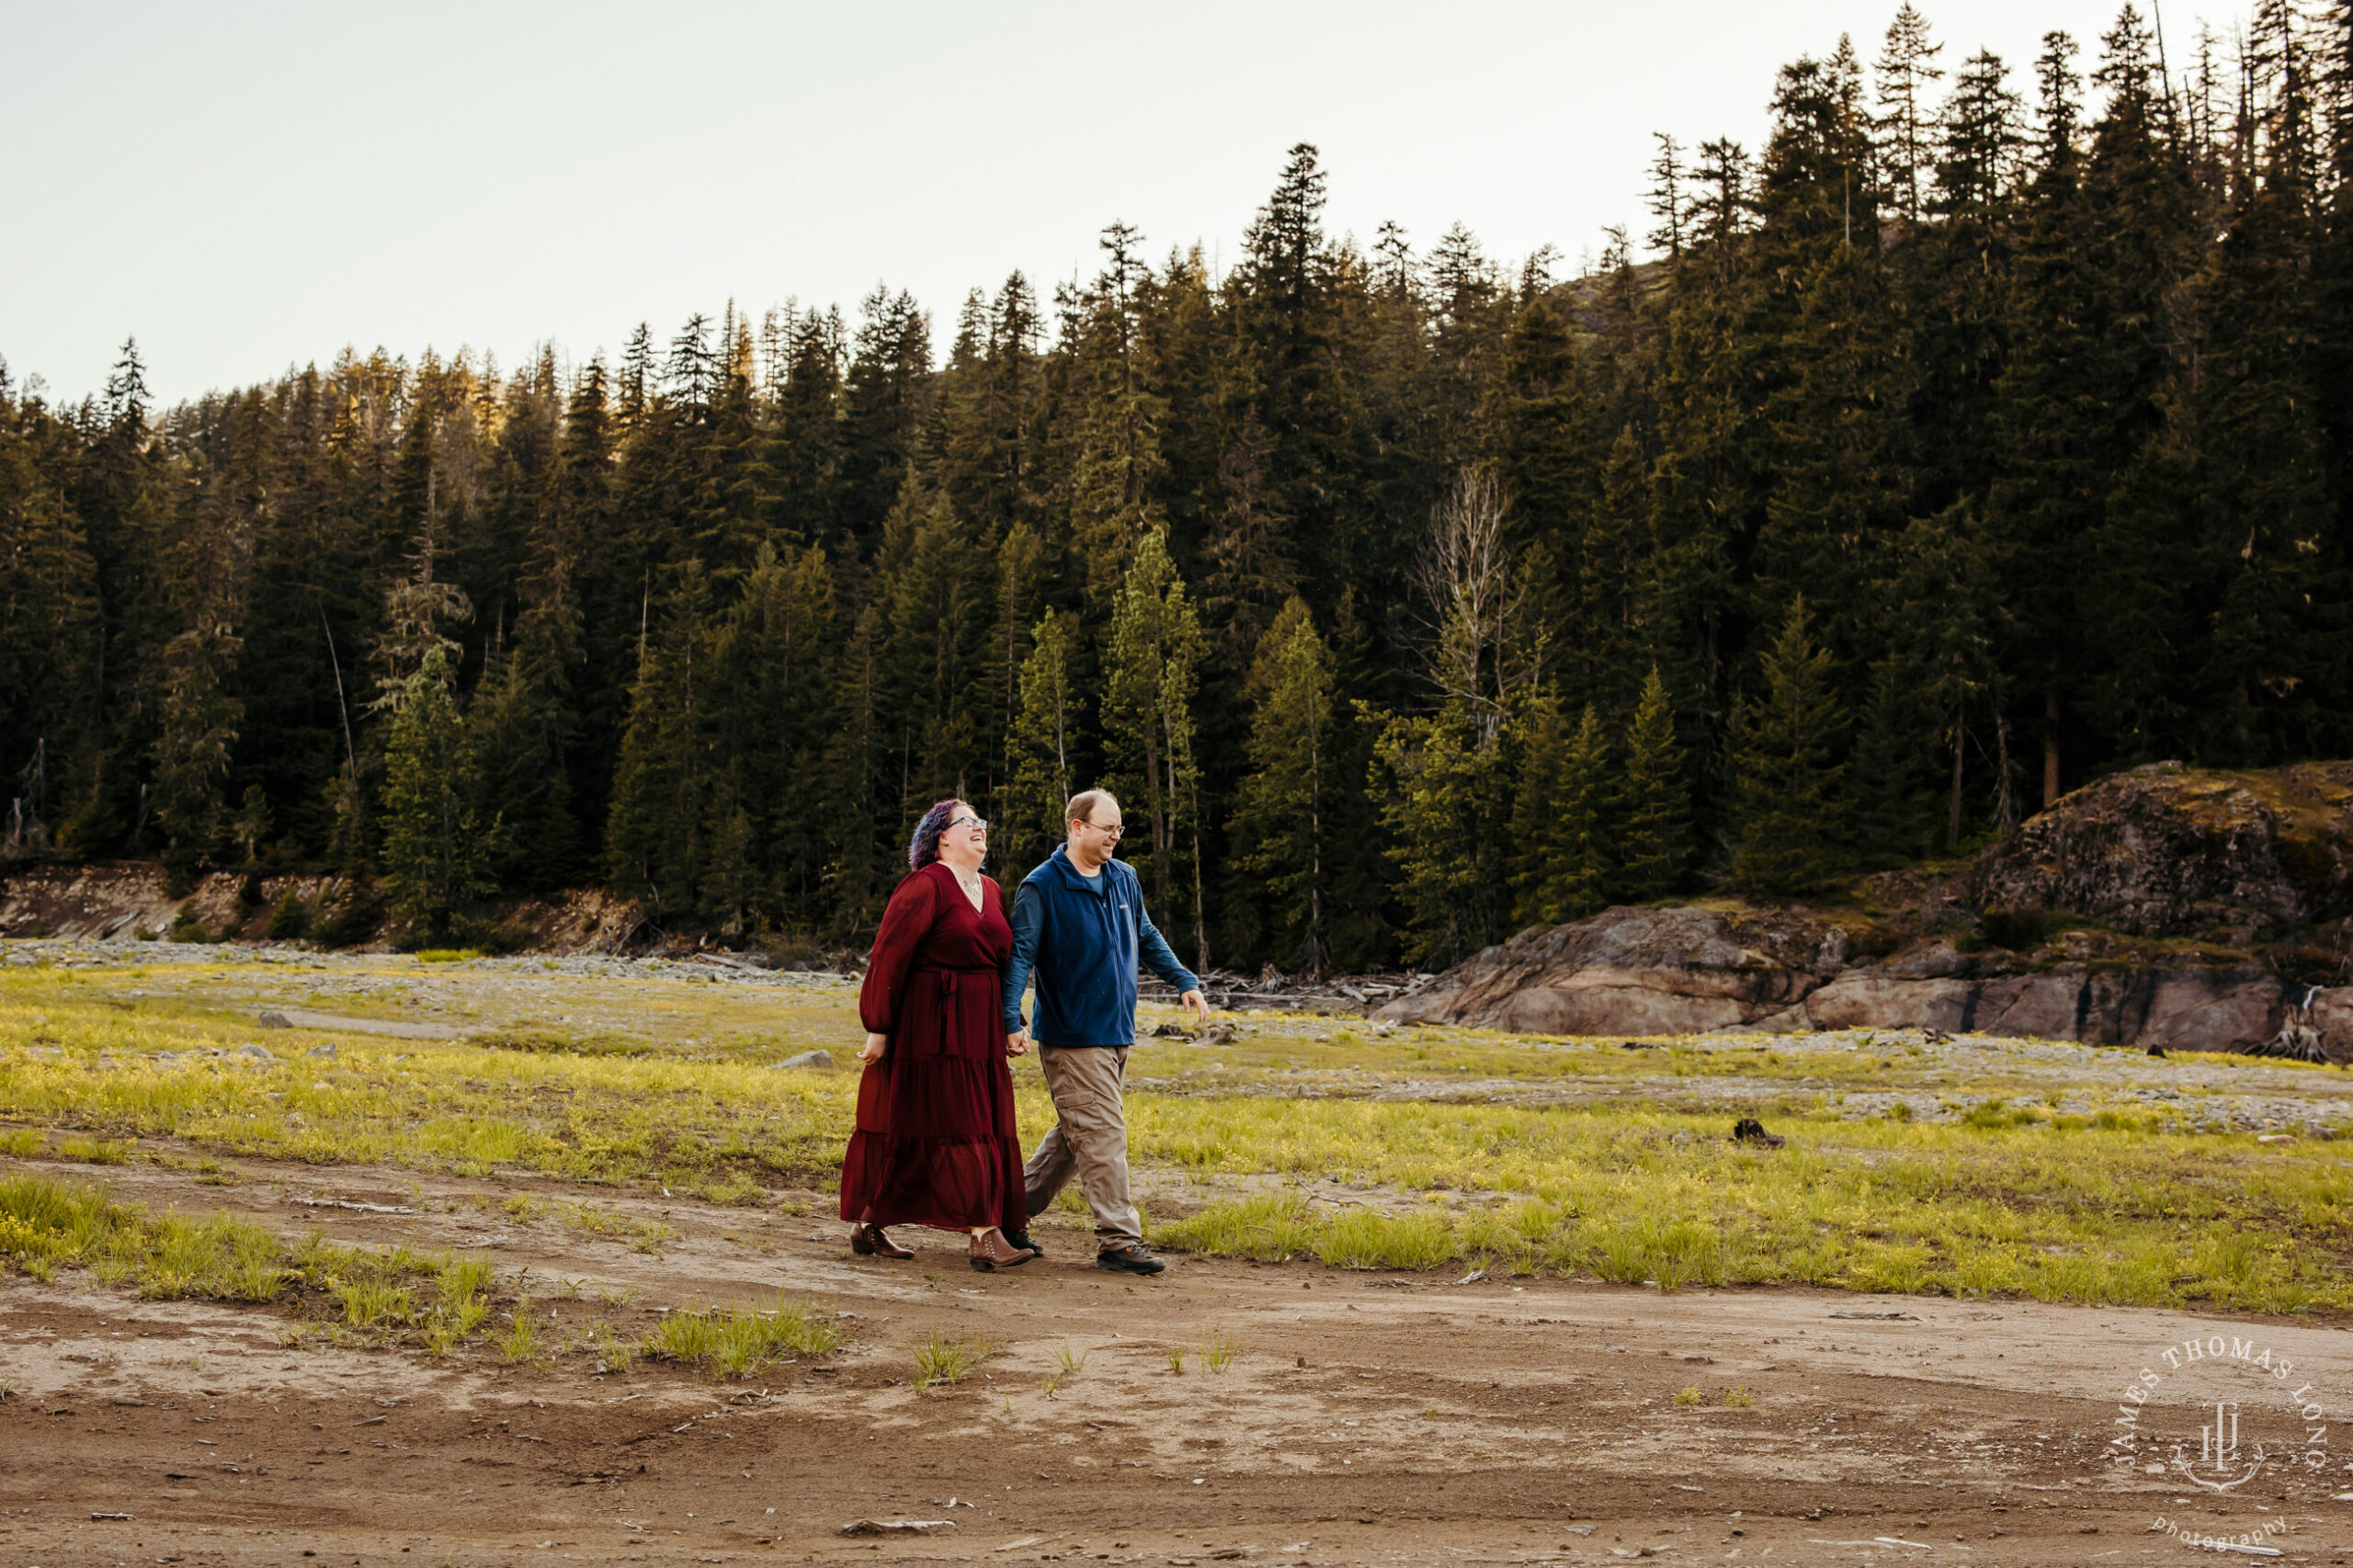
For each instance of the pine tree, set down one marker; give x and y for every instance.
(934, 584)
(1665, 199)
(805, 453)
(1562, 818)
(1148, 669)
(1289, 297)
(208, 565)
(1836, 362)
(656, 833)
(436, 849)
(780, 676)
(2269, 555)
(883, 407)
(1656, 842)
(1283, 811)
(1043, 746)
(1906, 68)
(1790, 839)
(1117, 464)
(1889, 817)
(1444, 794)
(1705, 487)
(517, 738)
(1543, 456)
(2055, 442)
(194, 745)
(2139, 237)
(50, 642)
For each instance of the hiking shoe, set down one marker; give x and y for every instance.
(1133, 1259)
(1021, 1239)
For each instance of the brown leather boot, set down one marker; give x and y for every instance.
(872, 1241)
(992, 1252)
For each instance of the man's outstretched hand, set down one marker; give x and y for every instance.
(1196, 1000)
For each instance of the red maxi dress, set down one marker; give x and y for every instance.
(936, 1143)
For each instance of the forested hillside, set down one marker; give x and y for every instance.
(1986, 430)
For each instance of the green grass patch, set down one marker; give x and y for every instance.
(941, 1362)
(731, 1342)
(1999, 1208)
(2075, 1192)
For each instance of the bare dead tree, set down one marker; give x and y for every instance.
(1464, 573)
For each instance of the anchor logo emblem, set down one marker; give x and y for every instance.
(2218, 1453)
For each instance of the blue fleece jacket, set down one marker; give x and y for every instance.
(1082, 937)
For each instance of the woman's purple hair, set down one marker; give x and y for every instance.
(923, 847)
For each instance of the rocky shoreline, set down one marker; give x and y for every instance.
(1697, 969)
(2165, 908)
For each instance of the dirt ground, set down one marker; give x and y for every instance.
(1367, 1418)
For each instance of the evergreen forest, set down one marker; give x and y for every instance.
(1986, 429)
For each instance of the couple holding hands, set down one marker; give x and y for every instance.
(936, 1143)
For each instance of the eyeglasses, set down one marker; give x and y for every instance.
(1113, 831)
(977, 823)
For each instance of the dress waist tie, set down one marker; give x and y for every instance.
(949, 977)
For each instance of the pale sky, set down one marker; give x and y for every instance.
(247, 188)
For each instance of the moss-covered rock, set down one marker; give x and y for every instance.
(2166, 850)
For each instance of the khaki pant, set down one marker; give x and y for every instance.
(1090, 1138)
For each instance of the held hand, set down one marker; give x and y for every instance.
(875, 1045)
(1198, 1002)
(1017, 1043)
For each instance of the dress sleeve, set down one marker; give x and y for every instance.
(906, 921)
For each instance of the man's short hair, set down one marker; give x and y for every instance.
(1082, 805)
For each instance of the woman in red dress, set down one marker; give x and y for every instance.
(936, 1143)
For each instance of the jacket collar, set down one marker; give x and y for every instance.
(1099, 884)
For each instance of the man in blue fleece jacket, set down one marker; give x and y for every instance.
(1079, 927)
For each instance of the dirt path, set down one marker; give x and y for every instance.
(1368, 1418)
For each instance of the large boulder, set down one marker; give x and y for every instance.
(2189, 1009)
(1664, 971)
(1637, 971)
(2172, 851)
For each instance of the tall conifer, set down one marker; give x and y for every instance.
(1283, 815)
(1791, 840)
(1656, 842)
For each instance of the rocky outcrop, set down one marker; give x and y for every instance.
(2172, 851)
(127, 900)
(133, 899)
(1638, 971)
(2070, 930)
